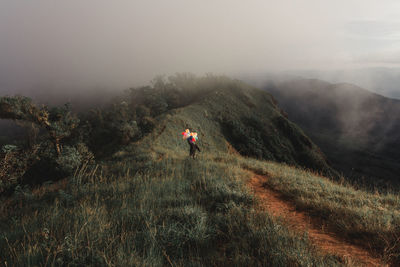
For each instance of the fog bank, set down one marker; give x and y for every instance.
(71, 45)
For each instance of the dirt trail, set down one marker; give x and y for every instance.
(326, 241)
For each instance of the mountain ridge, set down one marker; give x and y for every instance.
(137, 198)
(249, 119)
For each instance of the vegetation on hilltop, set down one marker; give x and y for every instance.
(51, 149)
(59, 141)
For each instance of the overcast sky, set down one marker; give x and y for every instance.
(87, 43)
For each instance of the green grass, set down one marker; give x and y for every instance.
(174, 211)
(246, 117)
(149, 205)
(369, 219)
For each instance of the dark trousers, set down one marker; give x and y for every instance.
(193, 148)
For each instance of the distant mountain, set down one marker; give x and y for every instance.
(358, 130)
(380, 80)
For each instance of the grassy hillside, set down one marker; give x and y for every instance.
(369, 219)
(247, 119)
(358, 130)
(145, 203)
(175, 211)
(220, 109)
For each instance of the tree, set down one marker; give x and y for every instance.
(58, 122)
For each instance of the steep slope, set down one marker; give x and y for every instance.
(244, 118)
(357, 129)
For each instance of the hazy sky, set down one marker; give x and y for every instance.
(86, 43)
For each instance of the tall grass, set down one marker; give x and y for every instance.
(369, 219)
(175, 212)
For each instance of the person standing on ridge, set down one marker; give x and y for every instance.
(191, 138)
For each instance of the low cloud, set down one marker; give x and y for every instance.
(71, 45)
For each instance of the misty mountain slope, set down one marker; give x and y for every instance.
(241, 117)
(357, 129)
(227, 113)
(148, 203)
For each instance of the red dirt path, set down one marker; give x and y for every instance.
(325, 241)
